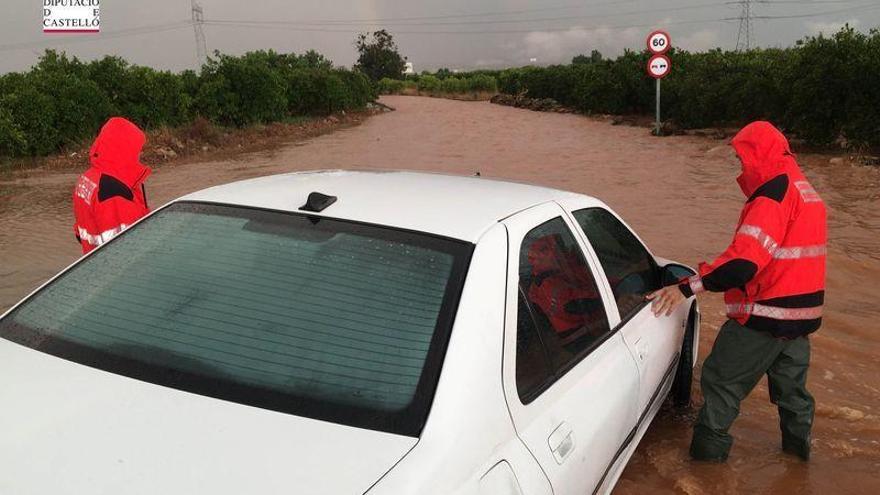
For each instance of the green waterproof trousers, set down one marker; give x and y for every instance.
(738, 359)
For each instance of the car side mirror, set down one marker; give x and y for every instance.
(673, 272)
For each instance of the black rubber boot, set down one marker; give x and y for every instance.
(798, 447)
(707, 445)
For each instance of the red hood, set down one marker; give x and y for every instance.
(765, 153)
(116, 151)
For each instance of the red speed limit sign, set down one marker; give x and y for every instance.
(658, 66)
(659, 42)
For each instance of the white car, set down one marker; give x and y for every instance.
(344, 333)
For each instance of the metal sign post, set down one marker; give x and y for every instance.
(658, 68)
(657, 125)
(658, 65)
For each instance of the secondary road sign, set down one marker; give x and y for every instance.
(659, 66)
(659, 42)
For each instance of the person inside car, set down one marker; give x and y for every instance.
(563, 290)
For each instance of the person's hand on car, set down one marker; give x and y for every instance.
(665, 300)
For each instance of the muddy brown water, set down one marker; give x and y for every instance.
(678, 193)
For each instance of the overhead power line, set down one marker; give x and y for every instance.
(291, 28)
(104, 35)
(479, 22)
(857, 8)
(471, 14)
(312, 26)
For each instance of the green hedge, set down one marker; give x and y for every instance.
(62, 101)
(822, 89)
(435, 85)
(388, 86)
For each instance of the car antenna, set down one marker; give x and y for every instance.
(317, 202)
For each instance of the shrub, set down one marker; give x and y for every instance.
(319, 92)
(53, 105)
(81, 108)
(31, 115)
(241, 90)
(833, 88)
(303, 91)
(388, 86)
(337, 95)
(429, 84)
(482, 82)
(153, 98)
(362, 92)
(12, 139)
(452, 85)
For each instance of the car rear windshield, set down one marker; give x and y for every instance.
(321, 318)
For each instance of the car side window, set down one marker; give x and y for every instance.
(560, 294)
(532, 365)
(630, 269)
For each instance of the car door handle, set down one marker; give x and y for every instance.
(640, 349)
(641, 346)
(561, 442)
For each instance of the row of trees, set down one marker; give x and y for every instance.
(62, 101)
(824, 89)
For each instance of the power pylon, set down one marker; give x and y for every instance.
(198, 21)
(746, 32)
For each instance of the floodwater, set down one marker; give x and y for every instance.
(679, 193)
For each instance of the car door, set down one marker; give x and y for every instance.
(571, 383)
(632, 273)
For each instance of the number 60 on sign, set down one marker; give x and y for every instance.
(659, 42)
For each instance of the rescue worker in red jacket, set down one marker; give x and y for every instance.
(110, 195)
(564, 291)
(773, 279)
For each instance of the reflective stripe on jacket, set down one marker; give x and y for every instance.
(773, 273)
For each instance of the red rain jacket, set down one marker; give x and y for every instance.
(562, 288)
(773, 273)
(110, 196)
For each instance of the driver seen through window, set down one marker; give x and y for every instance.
(561, 293)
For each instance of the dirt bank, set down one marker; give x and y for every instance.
(678, 192)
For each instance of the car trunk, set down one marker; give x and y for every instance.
(70, 429)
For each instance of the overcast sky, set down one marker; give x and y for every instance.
(443, 33)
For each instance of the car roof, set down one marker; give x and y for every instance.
(452, 206)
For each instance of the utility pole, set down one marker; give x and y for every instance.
(746, 33)
(198, 21)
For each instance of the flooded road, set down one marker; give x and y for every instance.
(679, 193)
